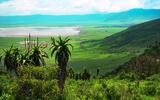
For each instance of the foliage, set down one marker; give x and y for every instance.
(132, 76)
(41, 73)
(33, 83)
(155, 78)
(150, 89)
(25, 60)
(86, 75)
(142, 66)
(39, 83)
(62, 54)
(37, 89)
(37, 56)
(81, 56)
(6, 97)
(11, 60)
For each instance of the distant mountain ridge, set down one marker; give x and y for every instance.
(130, 17)
(133, 16)
(140, 35)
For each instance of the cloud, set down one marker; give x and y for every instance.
(152, 4)
(63, 7)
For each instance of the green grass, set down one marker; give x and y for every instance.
(134, 37)
(83, 55)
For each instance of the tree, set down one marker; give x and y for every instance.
(11, 58)
(38, 55)
(98, 70)
(86, 75)
(62, 53)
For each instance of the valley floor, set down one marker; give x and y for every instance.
(84, 55)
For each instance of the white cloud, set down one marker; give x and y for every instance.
(56, 7)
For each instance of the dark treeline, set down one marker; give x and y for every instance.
(85, 75)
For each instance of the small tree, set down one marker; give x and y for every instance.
(62, 54)
(12, 59)
(98, 70)
(86, 75)
(37, 56)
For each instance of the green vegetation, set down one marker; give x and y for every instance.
(135, 37)
(41, 83)
(62, 53)
(84, 55)
(145, 64)
(94, 72)
(32, 82)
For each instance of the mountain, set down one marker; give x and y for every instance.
(130, 17)
(51, 20)
(140, 36)
(133, 16)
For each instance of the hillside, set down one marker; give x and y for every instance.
(138, 36)
(145, 64)
(125, 18)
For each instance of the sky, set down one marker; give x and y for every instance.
(70, 7)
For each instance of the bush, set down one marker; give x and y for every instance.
(130, 76)
(112, 94)
(41, 73)
(37, 83)
(150, 89)
(6, 97)
(34, 89)
(155, 77)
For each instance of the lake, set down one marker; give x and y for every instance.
(39, 31)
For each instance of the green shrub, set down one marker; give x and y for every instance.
(129, 76)
(112, 94)
(155, 77)
(41, 73)
(34, 89)
(150, 89)
(6, 97)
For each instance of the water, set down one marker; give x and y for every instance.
(39, 31)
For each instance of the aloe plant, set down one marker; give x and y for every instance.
(62, 53)
(38, 55)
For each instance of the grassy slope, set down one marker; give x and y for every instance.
(138, 36)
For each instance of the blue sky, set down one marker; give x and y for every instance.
(68, 7)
